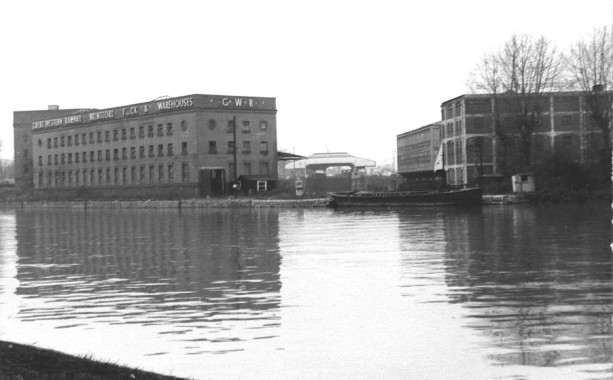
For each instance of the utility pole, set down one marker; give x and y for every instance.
(235, 148)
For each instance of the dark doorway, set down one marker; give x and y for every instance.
(211, 182)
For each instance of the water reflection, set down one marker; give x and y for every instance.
(197, 275)
(535, 281)
(498, 292)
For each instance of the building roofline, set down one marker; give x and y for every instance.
(436, 123)
(550, 93)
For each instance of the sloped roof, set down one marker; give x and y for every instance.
(331, 159)
(284, 156)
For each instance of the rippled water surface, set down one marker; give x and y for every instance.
(518, 292)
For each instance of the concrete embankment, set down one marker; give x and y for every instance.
(182, 204)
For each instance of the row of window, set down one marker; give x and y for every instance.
(125, 133)
(134, 175)
(67, 158)
(246, 147)
(97, 136)
(78, 157)
(126, 175)
(455, 177)
(246, 126)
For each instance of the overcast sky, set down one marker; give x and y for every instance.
(348, 76)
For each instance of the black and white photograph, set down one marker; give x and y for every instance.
(199, 189)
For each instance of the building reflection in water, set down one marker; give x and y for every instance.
(535, 281)
(206, 269)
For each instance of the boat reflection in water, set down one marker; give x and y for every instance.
(534, 281)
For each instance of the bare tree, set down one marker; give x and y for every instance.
(519, 76)
(589, 63)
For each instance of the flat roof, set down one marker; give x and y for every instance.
(159, 106)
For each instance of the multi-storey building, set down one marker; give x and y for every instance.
(417, 151)
(175, 147)
(474, 129)
(22, 138)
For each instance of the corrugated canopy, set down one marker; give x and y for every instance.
(325, 160)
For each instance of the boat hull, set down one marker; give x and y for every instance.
(404, 199)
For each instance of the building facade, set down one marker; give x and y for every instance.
(189, 146)
(416, 155)
(22, 139)
(474, 127)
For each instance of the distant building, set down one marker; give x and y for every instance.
(475, 150)
(417, 151)
(328, 172)
(189, 146)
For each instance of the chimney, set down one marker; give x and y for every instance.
(53, 107)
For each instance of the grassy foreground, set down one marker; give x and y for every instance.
(20, 362)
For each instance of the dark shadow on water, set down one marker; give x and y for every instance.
(535, 280)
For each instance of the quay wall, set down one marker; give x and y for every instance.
(180, 204)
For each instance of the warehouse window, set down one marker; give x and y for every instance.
(171, 172)
(264, 147)
(264, 168)
(184, 172)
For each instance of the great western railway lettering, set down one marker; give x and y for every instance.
(237, 102)
(175, 103)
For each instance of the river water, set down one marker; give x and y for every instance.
(499, 292)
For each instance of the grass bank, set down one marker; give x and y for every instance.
(21, 362)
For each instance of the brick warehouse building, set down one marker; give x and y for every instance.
(169, 148)
(473, 151)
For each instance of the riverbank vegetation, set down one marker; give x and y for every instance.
(21, 362)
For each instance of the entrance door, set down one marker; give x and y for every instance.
(211, 182)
